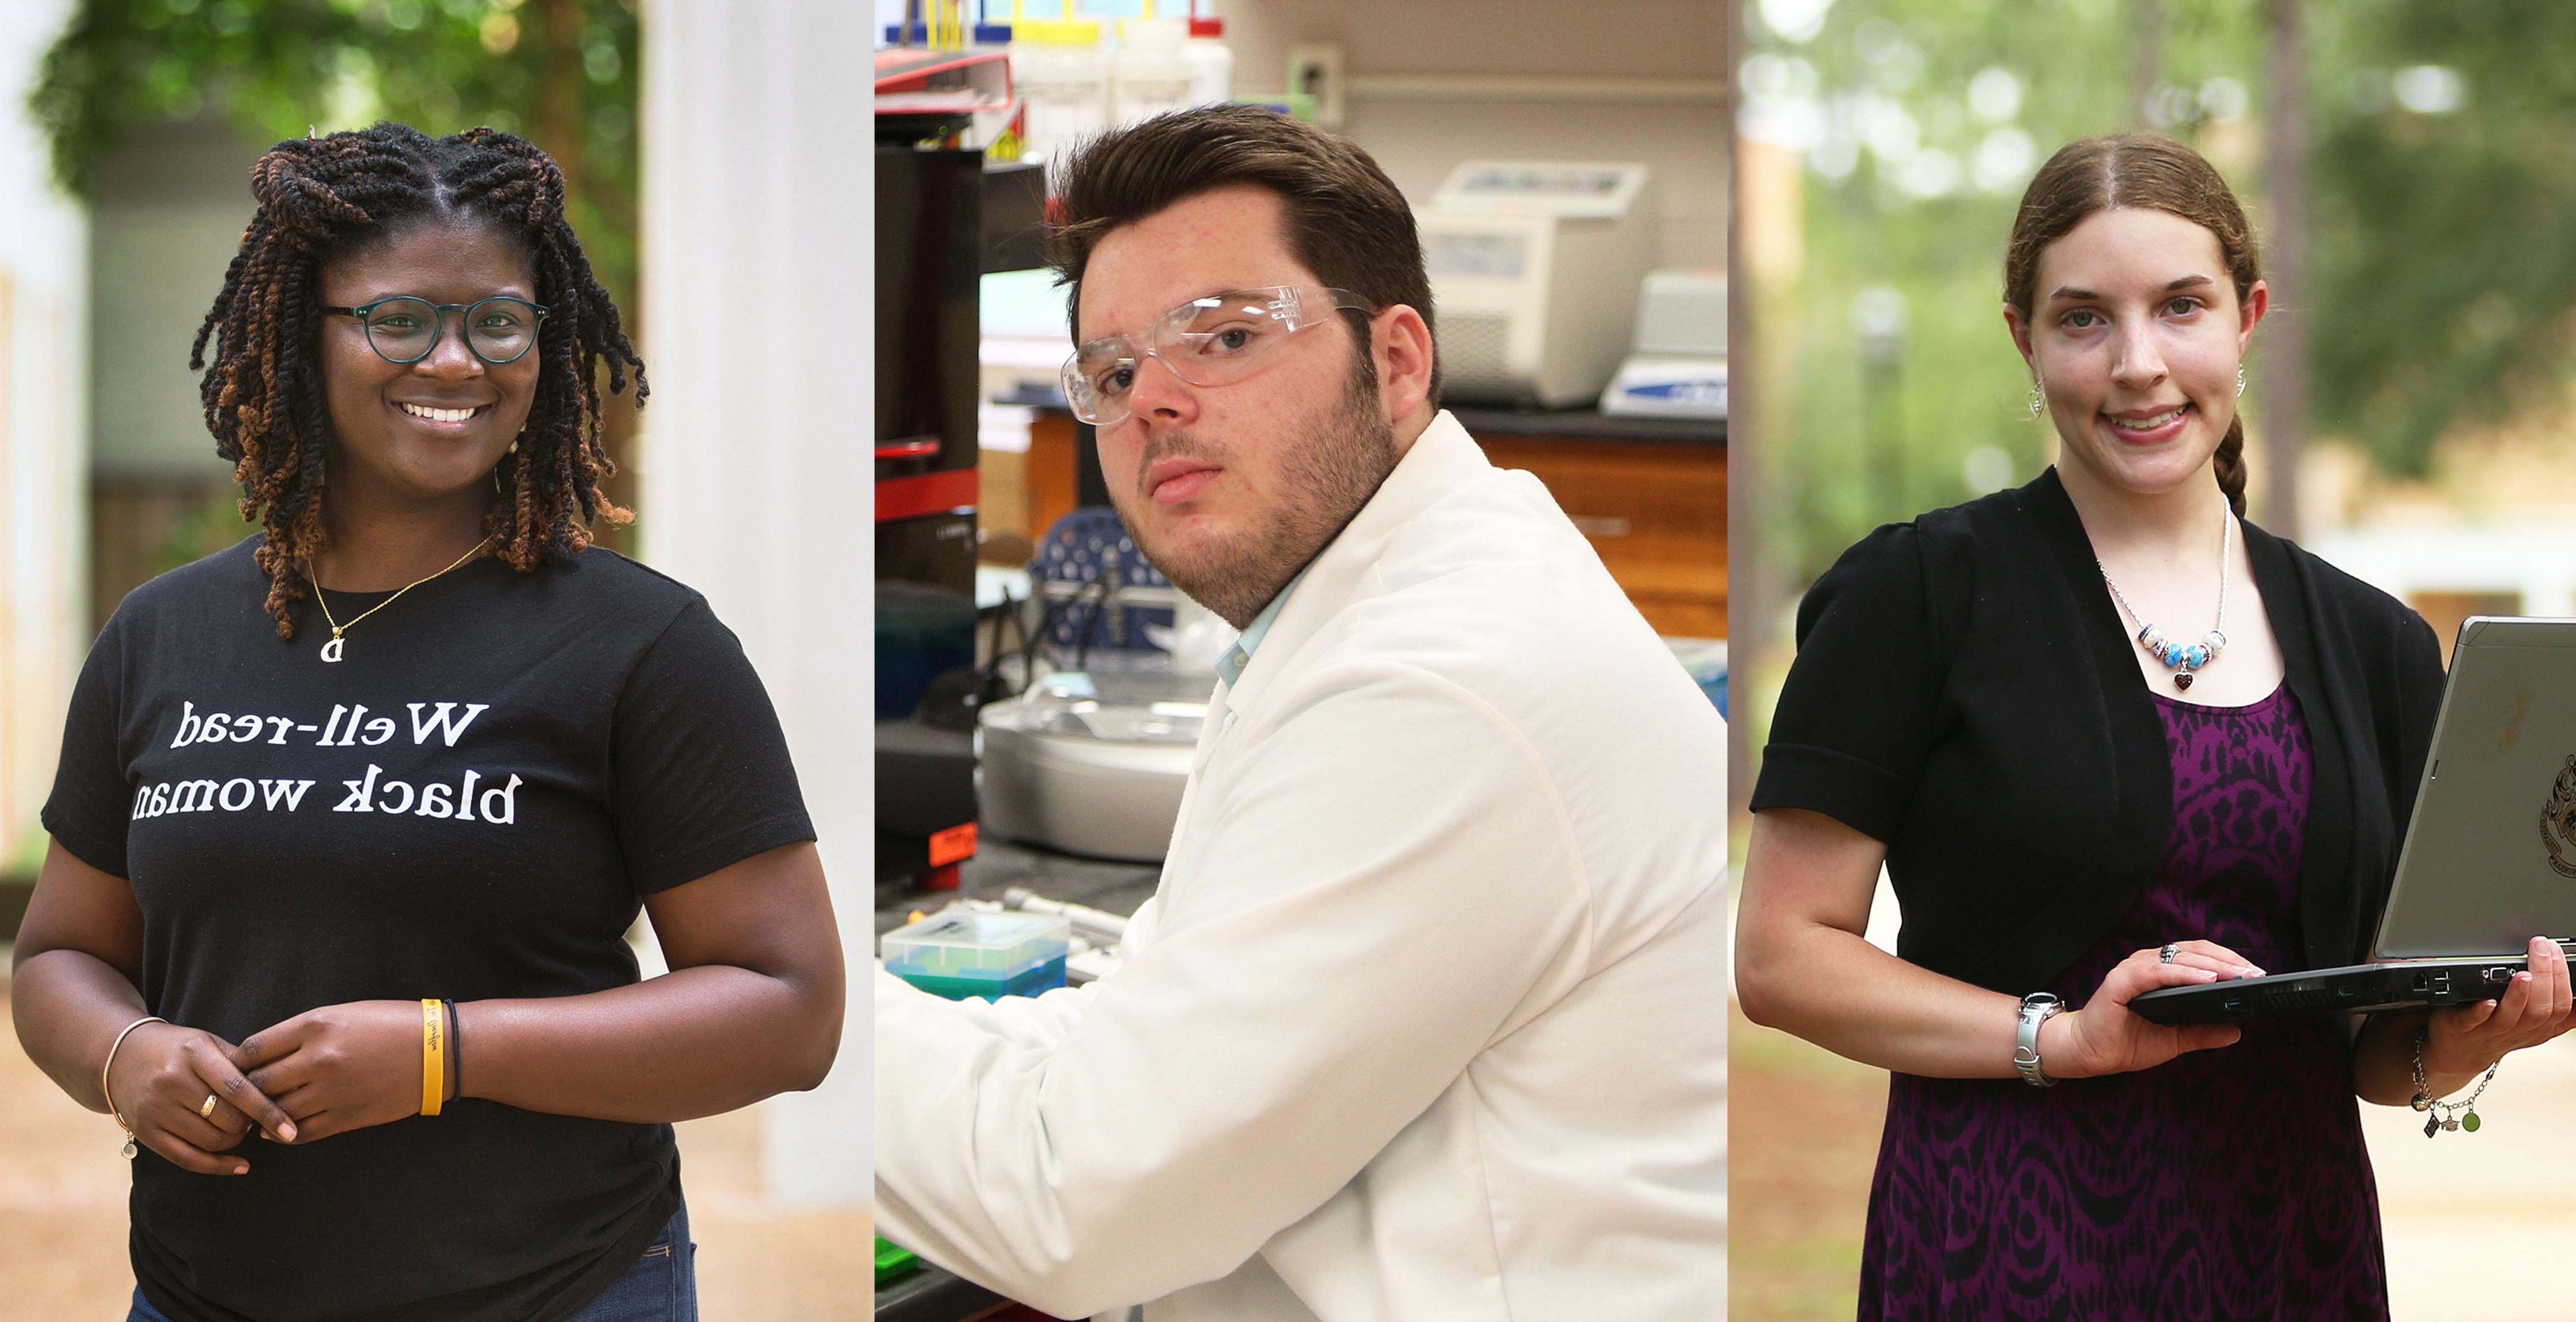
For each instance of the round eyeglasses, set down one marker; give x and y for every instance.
(1208, 341)
(405, 330)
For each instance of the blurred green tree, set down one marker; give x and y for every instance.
(561, 73)
(2446, 221)
(2441, 194)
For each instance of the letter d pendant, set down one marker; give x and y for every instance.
(331, 649)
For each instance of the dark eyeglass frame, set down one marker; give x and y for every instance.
(438, 332)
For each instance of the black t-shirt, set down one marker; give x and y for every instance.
(469, 805)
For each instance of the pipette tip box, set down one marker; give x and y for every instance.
(960, 953)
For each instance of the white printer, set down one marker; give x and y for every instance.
(1535, 267)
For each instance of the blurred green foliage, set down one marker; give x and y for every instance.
(2442, 195)
(2446, 243)
(561, 73)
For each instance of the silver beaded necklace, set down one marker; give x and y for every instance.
(2182, 659)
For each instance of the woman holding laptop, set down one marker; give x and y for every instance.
(2106, 737)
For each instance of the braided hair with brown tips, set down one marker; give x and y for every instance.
(263, 392)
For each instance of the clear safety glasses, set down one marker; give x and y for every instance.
(1209, 341)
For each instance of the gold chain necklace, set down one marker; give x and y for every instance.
(331, 650)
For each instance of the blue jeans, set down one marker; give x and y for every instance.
(662, 1286)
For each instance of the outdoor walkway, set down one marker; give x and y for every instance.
(2479, 1225)
(62, 1215)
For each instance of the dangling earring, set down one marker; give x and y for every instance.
(2240, 380)
(2038, 401)
(2240, 388)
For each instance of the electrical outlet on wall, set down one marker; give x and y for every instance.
(1316, 69)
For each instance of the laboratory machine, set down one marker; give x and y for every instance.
(1533, 269)
(945, 216)
(1677, 366)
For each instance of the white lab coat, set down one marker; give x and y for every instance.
(1426, 1017)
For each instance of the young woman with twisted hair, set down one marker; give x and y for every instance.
(352, 818)
(263, 399)
(2072, 814)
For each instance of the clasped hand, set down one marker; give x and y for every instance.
(324, 1072)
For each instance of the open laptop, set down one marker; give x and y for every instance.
(2490, 857)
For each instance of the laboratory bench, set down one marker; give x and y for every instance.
(930, 1294)
(1483, 422)
(998, 864)
(1649, 493)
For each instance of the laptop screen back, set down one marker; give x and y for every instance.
(2490, 857)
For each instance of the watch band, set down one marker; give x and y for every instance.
(2035, 1010)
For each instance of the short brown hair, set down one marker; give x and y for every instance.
(1345, 220)
(2135, 170)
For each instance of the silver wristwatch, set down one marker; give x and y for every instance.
(2035, 1010)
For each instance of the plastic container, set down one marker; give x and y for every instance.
(964, 953)
(894, 1262)
(1151, 73)
(1211, 62)
(1062, 78)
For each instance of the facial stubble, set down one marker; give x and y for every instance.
(1324, 483)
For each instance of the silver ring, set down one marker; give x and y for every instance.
(2166, 955)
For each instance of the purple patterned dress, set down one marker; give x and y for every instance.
(2226, 1184)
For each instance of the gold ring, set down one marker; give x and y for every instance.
(207, 1111)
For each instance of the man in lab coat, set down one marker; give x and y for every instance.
(1425, 1019)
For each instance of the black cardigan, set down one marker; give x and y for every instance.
(1966, 693)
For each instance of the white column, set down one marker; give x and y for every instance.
(44, 440)
(756, 469)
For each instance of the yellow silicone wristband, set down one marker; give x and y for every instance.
(433, 1056)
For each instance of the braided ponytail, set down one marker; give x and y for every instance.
(2229, 464)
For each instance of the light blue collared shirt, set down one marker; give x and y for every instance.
(1230, 666)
